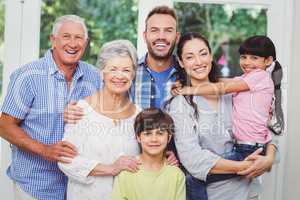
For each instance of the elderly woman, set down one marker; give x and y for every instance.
(104, 136)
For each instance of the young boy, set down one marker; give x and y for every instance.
(155, 180)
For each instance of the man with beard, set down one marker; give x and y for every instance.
(155, 73)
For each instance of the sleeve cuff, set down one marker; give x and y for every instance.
(203, 172)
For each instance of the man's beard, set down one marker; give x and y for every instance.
(157, 56)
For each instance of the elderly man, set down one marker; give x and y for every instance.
(32, 112)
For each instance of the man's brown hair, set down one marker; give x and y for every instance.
(165, 10)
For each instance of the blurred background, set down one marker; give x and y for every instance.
(224, 25)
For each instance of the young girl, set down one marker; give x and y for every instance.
(155, 180)
(252, 96)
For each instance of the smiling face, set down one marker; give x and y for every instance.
(196, 60)
(68, 44)
(154, 142)
(161, 36)
(249, 62)
(118, 74)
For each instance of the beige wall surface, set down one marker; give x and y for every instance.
(291, 189)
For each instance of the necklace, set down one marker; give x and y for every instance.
(116, 122)
(116, 114)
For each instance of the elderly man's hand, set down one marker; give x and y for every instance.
(72, 113)
(59, 152)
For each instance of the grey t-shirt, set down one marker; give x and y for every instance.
(200, 142)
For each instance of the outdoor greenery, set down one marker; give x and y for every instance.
(115, 19)
(106, 20)
(1, 21)
(226, 23)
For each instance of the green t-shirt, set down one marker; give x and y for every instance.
(165, 184)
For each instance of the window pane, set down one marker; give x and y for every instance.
(225, 26)
(2, 22)
(106, 20)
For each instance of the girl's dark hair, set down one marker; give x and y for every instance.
(153, 118)
(260, 45)
(181, 74)
(263, 46)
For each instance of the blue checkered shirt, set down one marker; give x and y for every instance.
(143, 90)
(37, 94)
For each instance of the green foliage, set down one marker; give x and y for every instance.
(115, 19)
(218, 24)
(106, 20)
(2, 7)
(222, 23)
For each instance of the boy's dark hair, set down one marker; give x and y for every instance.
(165, 10)
(153, 118)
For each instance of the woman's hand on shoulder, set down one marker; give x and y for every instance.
(171, 159)
(127, 163)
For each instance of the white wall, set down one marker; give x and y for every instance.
(292, 165)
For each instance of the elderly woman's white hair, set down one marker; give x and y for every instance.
(69, 18)
(116, 48)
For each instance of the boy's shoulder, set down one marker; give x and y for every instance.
(124, 174)
(128, 177)
(168, 169)
(174, 170)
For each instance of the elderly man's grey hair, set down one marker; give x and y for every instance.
(69, 18)
(116, 48)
